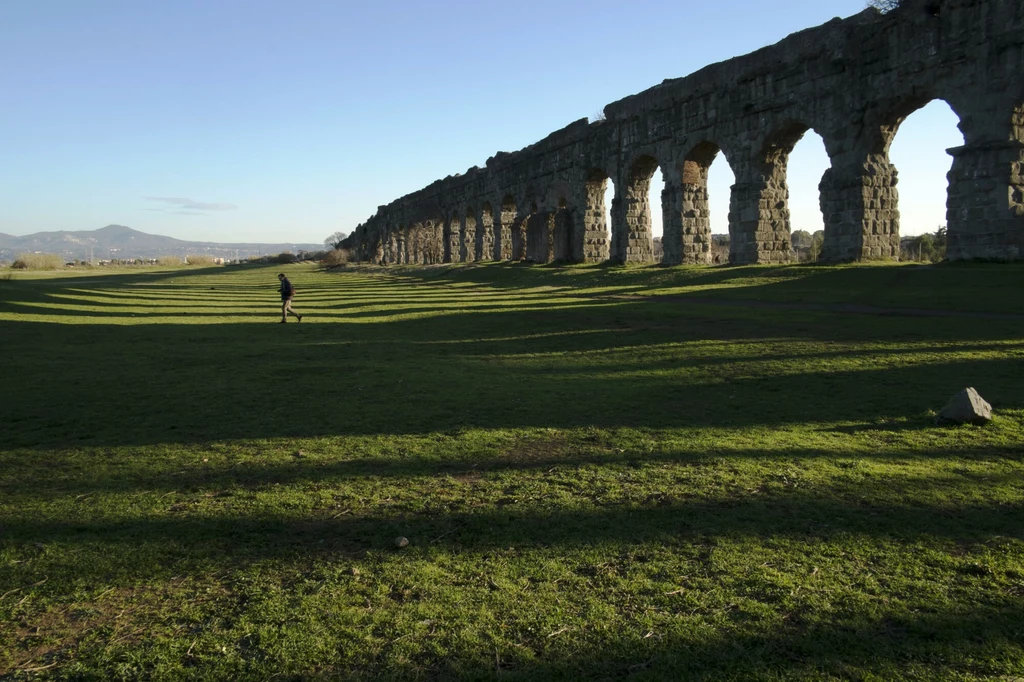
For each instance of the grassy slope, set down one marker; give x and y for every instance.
(596, 482)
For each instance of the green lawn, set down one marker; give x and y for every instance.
(603, 473)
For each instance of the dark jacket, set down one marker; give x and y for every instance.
(287, 290)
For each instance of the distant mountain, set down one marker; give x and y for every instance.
(118, 241)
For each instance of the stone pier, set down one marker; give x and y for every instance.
(853, 81)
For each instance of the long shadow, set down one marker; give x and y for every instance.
(886, 644)
(204, 309)
(145, 384)
(232, 540)
(633, 363)
(245, 475)
(103, 386)
(322, 299)
(969, 287)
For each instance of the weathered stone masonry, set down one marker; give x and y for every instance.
(852, 81)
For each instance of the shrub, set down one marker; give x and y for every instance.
(198, 259)
(719, 248)
(287, 257)
(925, 248)
(38, 261)
(335, 257)
(169, 261)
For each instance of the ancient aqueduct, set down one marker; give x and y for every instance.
(852, 81)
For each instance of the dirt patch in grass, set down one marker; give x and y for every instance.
(48, 636)
(538, 450)
(532, 452)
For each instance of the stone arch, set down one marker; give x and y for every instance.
(450, 236)
(438, 238)
(520, 231)
(387, 244)
(423, 242)
(985, 201)
(688, 222)
(564, 229)
(880, 137)
(424, 250)
(503, 226)
(633, 241)
(859, 197)
(760, 224)
(431, 241)
(485, 233)
(595, 242)
(415, 249)
(467, 243)
(854, 78)
(408, 247)
(791, 152)
(539, 234)
(400, 245)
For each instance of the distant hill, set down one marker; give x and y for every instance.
(118, 241)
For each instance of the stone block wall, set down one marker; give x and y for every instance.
(850, 80)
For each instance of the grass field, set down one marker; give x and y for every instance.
(603, 473)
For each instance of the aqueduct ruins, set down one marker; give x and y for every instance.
(852, 81)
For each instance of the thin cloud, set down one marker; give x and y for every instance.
(178, 204)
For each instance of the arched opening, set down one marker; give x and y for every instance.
(469, 236)
(446, 240)
(400, 245)
(656, 200)
(808, 162)
(485, 233)
(415, 244)
(423, 242)
(636, 243)
(453, 237)
(596, 219)
(392, 252)
(540, 228)
(707, 188)
(612, 216)
(519, 234)
(789, 223)
(431, 241)
(916, 147)
(503, 229)
(438, 242)
(562, 233)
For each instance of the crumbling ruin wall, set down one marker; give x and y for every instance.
(852, 81)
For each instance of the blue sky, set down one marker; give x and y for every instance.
(285, 121)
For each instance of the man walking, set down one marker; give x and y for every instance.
(287, 294)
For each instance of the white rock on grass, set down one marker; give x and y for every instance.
(966, 407)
